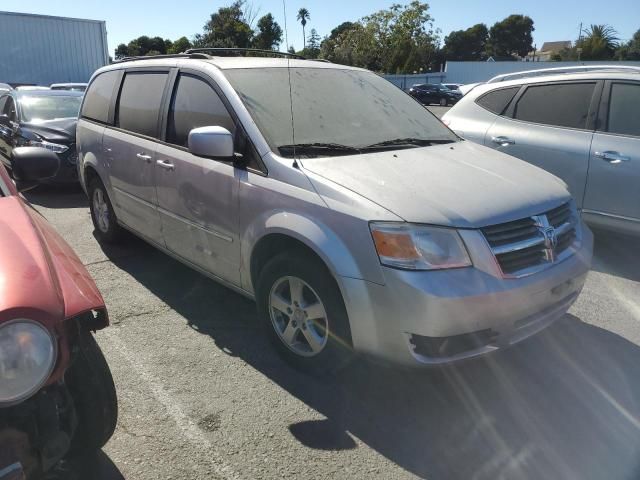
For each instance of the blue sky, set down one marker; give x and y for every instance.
(127, 19)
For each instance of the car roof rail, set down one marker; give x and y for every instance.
(215, 50)
(564, 70)
(200, 56)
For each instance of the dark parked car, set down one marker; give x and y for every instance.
(57, 397)
(428, 93)
(41, 118)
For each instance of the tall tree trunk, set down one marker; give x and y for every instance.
(304, 39)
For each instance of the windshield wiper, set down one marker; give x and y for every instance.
(318, 149)
(408, 142)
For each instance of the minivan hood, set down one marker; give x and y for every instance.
(459, 185)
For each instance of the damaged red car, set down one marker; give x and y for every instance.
(57, 396)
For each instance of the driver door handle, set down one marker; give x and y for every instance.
(166, 165)
(612, 157)
(503, 141)
(142, 156)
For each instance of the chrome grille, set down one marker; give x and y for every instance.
(528, 245)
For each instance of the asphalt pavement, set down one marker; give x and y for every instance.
(202, 394)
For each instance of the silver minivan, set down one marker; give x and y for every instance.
(356, 220)
(579, 123)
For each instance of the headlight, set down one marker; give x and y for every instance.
(54, 147)
(417, 247)
(27, 357)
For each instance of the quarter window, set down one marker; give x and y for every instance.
(623, 109)
(98, 97)
(562, 105)
(140, 101)
(195, 104)
(497, 101)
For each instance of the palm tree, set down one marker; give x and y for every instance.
(599, 42)
(303, 16)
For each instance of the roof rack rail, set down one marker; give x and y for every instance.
(172, 55)
(549, 71)
(215, 50)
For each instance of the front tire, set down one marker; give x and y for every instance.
(303, 313)
(103, 216)
(91, 386)
(443, 102)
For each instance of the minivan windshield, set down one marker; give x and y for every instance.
(41, 108)
(335, 111)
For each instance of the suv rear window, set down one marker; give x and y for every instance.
(623, 109)
(561, 105)
(195, 104)
(98, 96)
(497, 100)
(140, 101)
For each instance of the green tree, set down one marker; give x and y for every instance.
(269, 33)
(511, 36)
(291, 49)
(313, 44)
(600, 42)
(180, 45)
(631, 49)
(469, 44)
(328, 45)
(143, 45)
(122, 51)
(226, 28)
(303, 16)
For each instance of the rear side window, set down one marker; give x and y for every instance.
(195, 104)
(497, 100)
(562, 105)
(624, 108)
(140, 102)
(98, 97)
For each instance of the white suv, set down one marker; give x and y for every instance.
(579, 123)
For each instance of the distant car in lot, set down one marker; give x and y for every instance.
(356, 220)
(427, 94)
(76, 87)
(580, 124)
(57, 396)
(40, 118)
(452, 86)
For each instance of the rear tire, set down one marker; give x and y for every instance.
(91, 386)
(316, 324)
(443, 102)
(103, 216)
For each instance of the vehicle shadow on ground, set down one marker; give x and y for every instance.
(564, 404)
(617, 254)
(51, 196)
(94, 467)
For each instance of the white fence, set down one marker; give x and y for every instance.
(406, 81)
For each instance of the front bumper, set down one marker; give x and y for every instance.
(391, 321)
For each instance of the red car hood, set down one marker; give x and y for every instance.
(39, 273)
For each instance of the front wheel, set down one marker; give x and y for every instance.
(94, 396)
(443, 102)
(304, 314)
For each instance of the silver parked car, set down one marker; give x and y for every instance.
(581, 124)
(356, 220)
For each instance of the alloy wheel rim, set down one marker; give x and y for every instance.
(298, 316)
(101, 210)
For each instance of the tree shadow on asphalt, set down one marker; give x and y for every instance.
(563, 404)
(54, 196)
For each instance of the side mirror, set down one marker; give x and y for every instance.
(4, 121)
(31, 164)
(216, 142)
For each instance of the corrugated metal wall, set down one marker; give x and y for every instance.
(472, 72)
(41, 50)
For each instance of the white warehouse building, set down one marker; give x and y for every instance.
(41, 49)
